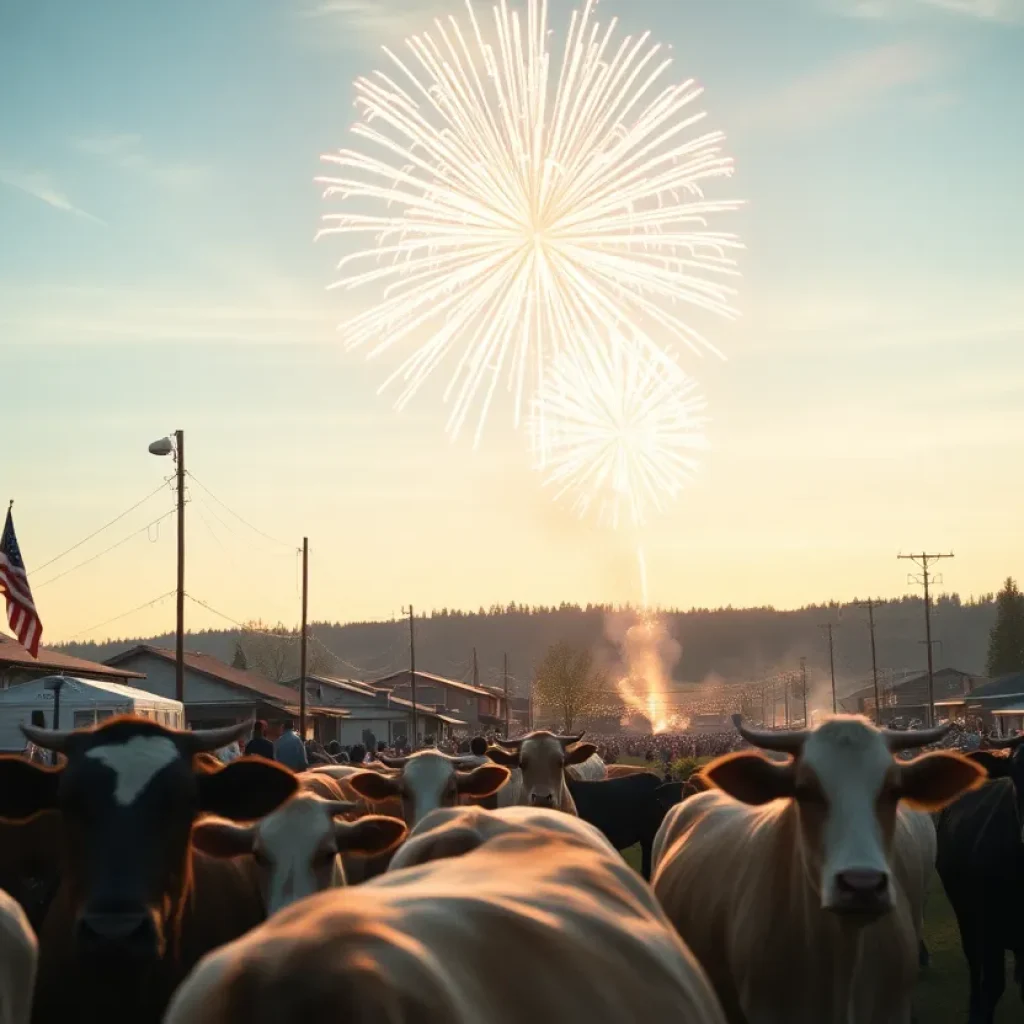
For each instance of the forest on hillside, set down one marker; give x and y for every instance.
(720, 645)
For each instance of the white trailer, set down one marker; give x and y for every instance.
(83, 703)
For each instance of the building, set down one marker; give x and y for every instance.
(18, 666)
(219, 694)
(479, 708)
(378, 711)
(907, 697)
(999, 703)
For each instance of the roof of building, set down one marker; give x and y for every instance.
(947, 684)
(1009, 685)
(427, 710)
(388, 682)
(336, 683)
(12, 653)
(214, 668)
(77, 692)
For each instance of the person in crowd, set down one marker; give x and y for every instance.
(289, 749)
(357, 753)
(259, 744)
(31, 751)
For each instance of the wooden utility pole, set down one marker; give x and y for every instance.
(870, 605)
(787, 682)
(412, 679)
(476, 670)
(179, 641)
(302, 639)
(775, 703)
(803, 680)
(831, 665)
(923, 560)
(505, 673)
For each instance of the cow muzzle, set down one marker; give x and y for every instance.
(861, 893)
(540, 799)
(119, 935)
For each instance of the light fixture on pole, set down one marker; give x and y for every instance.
(176, 446)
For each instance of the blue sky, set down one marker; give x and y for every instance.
(158, 270)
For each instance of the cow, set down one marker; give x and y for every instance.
(136, 907)
(626, 810)
(301, 848)
(426, 780)
(980, 861)
(621, 771)
(789, 867)
(531, 922)
(541, 761)
(30, 863)
(18, 952)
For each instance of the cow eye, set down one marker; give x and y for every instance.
(261, 858)
(810, 794)
(324, 857)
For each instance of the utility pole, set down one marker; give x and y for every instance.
(831, 665)
(412, 678)
(476, 670)
(505, 669)
(179, 642)
(302, 639)
(923, 561)
(775, 703)
(870, 605)
(803, 680)
(787, 682)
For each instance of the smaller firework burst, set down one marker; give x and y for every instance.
(615, 427)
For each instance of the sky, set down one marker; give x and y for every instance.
(158, 271)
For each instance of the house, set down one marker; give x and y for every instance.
(999, 703)
(480, 708)
(18, 666)
(219, 694)
(907, 697)
(370, 709)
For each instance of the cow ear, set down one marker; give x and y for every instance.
(509, 758)
(930, 782)
(750, 778)
(223, 838)
(374, 786)
(483, 781)
(997, 765)
(26, 789)
(370, 835)
(580, 753)
(246, 789)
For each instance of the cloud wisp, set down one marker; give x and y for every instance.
(39, 185)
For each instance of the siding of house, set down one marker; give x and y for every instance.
(160, 679)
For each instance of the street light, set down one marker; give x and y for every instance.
(176, 446)
(55, 684)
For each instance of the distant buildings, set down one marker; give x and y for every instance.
(18, 666)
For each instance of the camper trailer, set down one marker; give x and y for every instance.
(83, 703)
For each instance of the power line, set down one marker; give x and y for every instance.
(96, 533)
(113, 547)
(240, 518)
(124, 615)
(242, 625)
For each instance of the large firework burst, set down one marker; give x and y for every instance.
(514, 205)
(614, 426)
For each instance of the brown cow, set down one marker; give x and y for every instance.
(18, 953)
(136, 908)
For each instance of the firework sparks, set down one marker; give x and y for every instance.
(615, 428)
(521, 204)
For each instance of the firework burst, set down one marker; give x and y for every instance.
(518, 203)
(615, 426)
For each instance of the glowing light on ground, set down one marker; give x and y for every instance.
(615, 429)
(512, 203)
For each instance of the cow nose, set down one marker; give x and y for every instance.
(862, 883)
(542, 799)
(861, 892)
(129, 934)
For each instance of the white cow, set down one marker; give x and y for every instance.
(18, 954)
(301, 847)
(427, 780)
(539, 921)
(540, 762)
(794, 883)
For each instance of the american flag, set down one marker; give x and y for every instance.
(21, 609)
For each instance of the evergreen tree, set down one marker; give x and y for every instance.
(239, 660)
(1006, 640)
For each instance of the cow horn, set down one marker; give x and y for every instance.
(48, 739)
(201, 741)
(1010, 744)
(392, 762)
(509, 744)
(568, 741)
(899, 739)
(788, 742)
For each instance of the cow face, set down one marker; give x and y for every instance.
(298, 847)
(127, 796)
(428, 780)
(846, 785)
(1008, 765)
(542, 757)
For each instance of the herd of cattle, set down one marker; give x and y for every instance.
(148, 882)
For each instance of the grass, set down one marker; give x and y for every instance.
(941, 996)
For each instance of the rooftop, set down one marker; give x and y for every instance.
(1010, 685)
(12, 654)
(401, 678)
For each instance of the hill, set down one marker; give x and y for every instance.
(726, 644)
